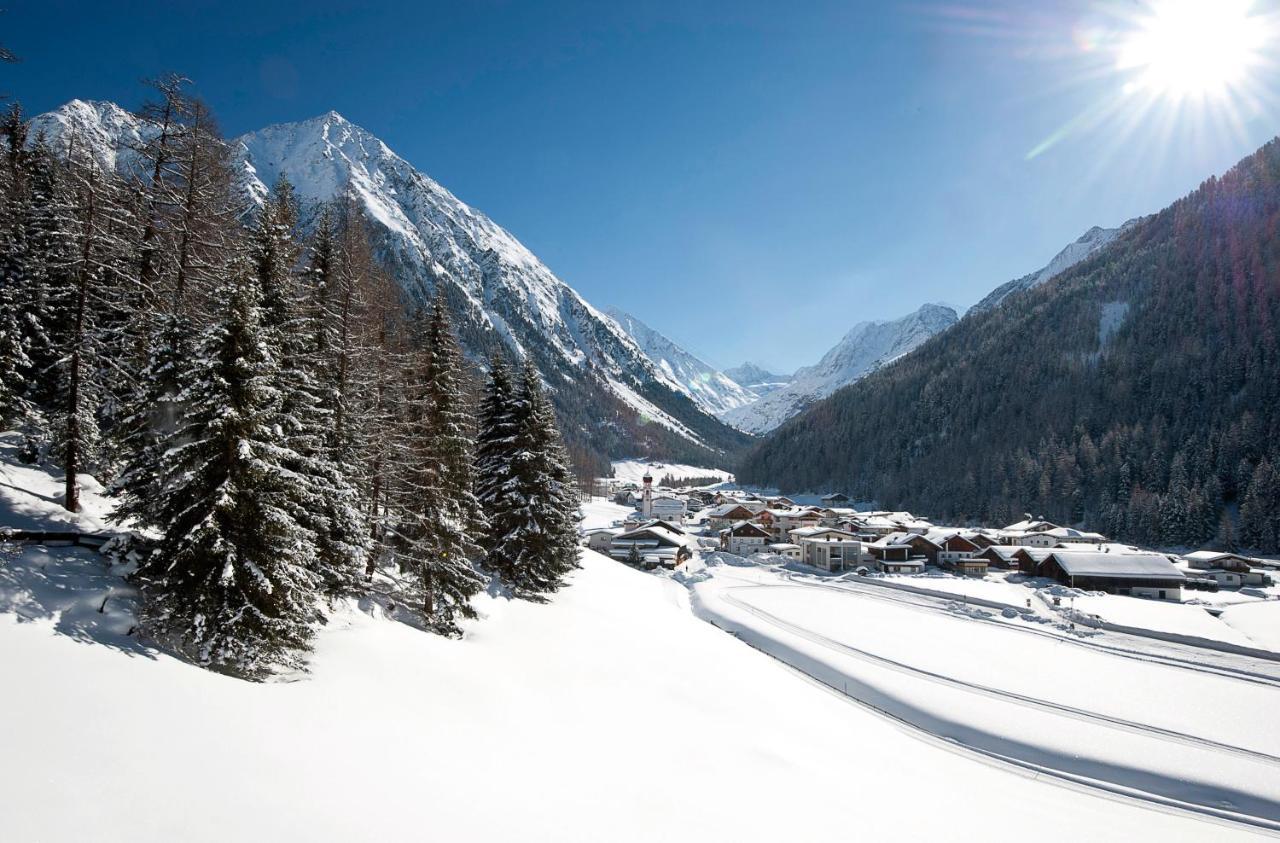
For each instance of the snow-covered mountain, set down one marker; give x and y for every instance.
(757, 379)
(611, 395)
(867, 347)
(1088, 243)
(712, 389)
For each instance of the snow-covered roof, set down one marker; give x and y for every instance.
(784, 546)
(814, 532)
(1006, 551)
(902, 537)
(1074, 534)
(656, 524)
(1030, 525)
(1211, 556)
(745, 527)
(1155, 566)
(724, 509)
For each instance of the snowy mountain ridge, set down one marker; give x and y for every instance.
(1084, 246)
(712, 389)
(865, 348)
(757, 379)
(501, 294)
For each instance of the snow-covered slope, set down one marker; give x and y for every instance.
(757, 379)
(712, 389)
(610, 712)
(868, 346)
(1090, 242)
(501, 294)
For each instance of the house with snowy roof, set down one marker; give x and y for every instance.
(654, 543)
(956, 551)
(781, 522)
(729, 513)
(744, 538)
(895, 557)
(1225, 567)
(1000, 555)
(1137, 574)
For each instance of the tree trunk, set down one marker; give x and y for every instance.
(71, 499)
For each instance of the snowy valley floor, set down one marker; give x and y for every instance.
(611, 713)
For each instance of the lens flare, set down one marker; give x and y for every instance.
(1190, 48)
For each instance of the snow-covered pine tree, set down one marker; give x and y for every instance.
(322, 495)
(496, 486)
(15, 257)
(44, 292)
(233, 581)
(439, 518)
(542, 545)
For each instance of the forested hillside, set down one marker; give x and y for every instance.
(1138, 393)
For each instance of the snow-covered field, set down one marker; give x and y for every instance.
(610, 713)
(633, 471)
(1189, 618)
(1004, 688)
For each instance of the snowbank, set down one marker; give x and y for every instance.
(1161, 616)
(1259, 622)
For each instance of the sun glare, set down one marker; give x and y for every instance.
(1193, 48)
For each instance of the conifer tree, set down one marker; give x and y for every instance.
(440, 518)
(541, 510)
(322, 495)
(233, 581)
(15, 363)
(495, 463)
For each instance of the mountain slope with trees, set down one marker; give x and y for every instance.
(501, 298)
(1138, 394)
(281, 424)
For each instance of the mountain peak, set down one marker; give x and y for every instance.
(866, 347)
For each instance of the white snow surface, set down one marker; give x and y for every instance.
(1259, 621)
(865, 348)
(31, 496)
(633, 471)
(712, 389)
(611, 712)
(757, 379)
(1009, 689)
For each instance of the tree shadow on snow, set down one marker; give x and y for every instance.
(75, 590)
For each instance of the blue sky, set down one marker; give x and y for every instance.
(750, 178)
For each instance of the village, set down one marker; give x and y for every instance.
(670, 527)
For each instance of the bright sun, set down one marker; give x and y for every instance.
(1193, 48)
